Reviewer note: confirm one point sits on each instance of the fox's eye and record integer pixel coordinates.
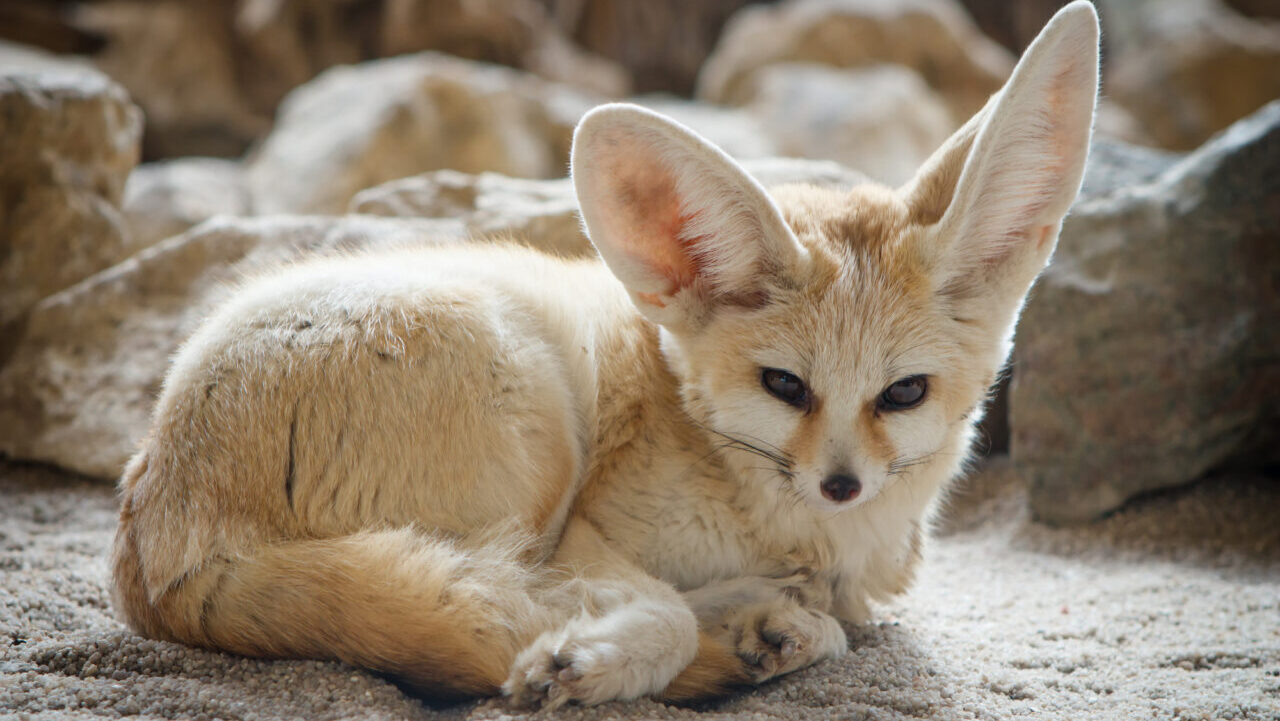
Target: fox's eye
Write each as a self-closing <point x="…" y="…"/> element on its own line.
<point x="904" y="394"/>
<point x="785" y="386"/>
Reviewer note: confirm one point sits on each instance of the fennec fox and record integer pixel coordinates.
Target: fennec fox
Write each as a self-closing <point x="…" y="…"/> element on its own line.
<point x="483" y="470"/>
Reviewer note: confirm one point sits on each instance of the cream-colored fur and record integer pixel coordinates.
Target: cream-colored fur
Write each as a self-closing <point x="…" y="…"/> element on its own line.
<point x="484" y="470"/>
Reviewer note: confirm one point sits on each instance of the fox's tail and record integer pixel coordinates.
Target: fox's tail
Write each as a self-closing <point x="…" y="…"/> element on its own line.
<point x="445" y="620"/>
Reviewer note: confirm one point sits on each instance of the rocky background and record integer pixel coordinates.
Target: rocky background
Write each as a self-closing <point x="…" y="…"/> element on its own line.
<point x="152" y="152"/>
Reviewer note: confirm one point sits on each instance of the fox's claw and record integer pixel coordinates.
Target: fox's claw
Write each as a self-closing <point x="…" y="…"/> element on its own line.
<point x="542" y="676"/>
<point x="778" y="638"/>
<point x="572" y="665"/>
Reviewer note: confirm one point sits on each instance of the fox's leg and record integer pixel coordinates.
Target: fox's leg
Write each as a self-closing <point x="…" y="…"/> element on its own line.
<point x="754" y="629"/>
<point x="632" y="634"/>
<point x="446" y="620"/>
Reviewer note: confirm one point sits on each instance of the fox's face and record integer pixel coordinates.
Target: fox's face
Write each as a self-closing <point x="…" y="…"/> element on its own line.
<point x="851" y="375"/>
<point x="839" y="342"/>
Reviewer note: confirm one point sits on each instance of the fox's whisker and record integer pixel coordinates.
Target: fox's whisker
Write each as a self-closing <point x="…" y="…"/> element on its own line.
<point x="773" y="453"/>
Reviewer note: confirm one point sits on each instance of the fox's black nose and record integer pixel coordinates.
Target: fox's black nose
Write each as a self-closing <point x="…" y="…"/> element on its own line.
<point x="841" y="487"/>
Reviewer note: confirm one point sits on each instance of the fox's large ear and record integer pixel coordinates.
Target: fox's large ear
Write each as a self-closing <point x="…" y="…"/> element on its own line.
<point x="684" y="228"/>
<point x="996" y="192"/>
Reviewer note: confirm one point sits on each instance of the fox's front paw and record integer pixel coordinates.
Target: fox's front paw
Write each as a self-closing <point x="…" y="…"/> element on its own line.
<point x="554" y="670"/>
<point x="780" y="637"/>
<point x="589" y="661"/>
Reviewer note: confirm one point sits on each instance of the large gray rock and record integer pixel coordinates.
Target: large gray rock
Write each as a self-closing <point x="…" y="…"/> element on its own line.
<point x="85" y="372"/>
<point x="68" y="138"/>
<point x="1150" y="350"/>
<point x="935" y="38"/>
<point x="357" y="126"/>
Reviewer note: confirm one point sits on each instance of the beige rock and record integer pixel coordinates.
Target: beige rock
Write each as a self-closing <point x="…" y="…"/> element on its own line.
<point x="733" y="130"/>
<point x="518" y="33"/>
<point x="292" y="41"/>
<point x="933" y="37"/>
<point x="18" y="58"/>
<point x="68" y="138"/>
<point x="1012" y="24"/>
<point x="1186" y="69"/>
<point x="662" y="43"/>
<point x="543" y="213"/>
<point x="1112" y="121"/>
<point x="355" y="127"/>
<point x="783" y="171"/>
<point x="165" y="198"/>
<point x="178" y="62"/>
<point x="210" y="75"/>
<point x="78" y="389"/>
<point x="882" y="119"/>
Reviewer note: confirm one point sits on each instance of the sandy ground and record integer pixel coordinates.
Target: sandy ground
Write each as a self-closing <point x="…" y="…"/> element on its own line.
<point x="1167" y="610"/>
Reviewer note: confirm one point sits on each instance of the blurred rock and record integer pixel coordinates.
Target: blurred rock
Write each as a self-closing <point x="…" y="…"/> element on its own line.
<point x="518" y="33"/>
<point x="1149" y="352"/>
<point x="44" y="24"/>
<point x="882" y="120"/>
<point x="1189" y="68"/>
<point x="662" y="43"/>
<point x="733" y="130"/>
<point x="288" y="42"/>
<point x="165" y="198"/>
<point x="18" y="58"/>
<point x="68" y="139"/>
<point x="543" y="213"/>
<point x="282" y="44"/>
<point x="355" y="127"/>
<point x="935" y="38"/>
<point x="1012" y="24"/>
<point x="210" y="74"/>
<point x="1256" y="8"/>
<point x="783" y="171"/>
<point x="178" y="61"/>
<point x="1112" y="121"/>
<point x="80" y="385"/>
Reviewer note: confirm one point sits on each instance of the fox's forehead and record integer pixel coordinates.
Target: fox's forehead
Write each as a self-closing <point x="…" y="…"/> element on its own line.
<point x="865" y="290"/>
<point x="861" y="246"/>
<point x="868" y="219"/>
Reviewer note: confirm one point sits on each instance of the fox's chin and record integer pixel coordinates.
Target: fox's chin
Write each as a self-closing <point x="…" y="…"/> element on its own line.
<point x="826" y="508"/>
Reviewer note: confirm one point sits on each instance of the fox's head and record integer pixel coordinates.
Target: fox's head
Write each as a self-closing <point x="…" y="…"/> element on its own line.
<point x="849" y="337"/>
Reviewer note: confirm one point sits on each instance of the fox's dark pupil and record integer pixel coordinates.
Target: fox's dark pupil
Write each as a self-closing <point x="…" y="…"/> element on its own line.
<point x="905" y="393"/>
<point x="784" y="386"/>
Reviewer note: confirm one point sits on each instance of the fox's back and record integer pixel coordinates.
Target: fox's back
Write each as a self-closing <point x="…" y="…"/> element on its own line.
<point x="451" y="389"/>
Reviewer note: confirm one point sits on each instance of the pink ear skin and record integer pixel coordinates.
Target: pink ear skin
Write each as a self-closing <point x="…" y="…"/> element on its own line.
<point x="682" y="225"/>
<point x="1024" y="165"/>
<point x="654" y="221"/>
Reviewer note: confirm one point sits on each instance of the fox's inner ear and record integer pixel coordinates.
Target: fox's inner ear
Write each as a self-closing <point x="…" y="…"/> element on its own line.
<point x="683" y="227"/>
<point x="997" y="191"/>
